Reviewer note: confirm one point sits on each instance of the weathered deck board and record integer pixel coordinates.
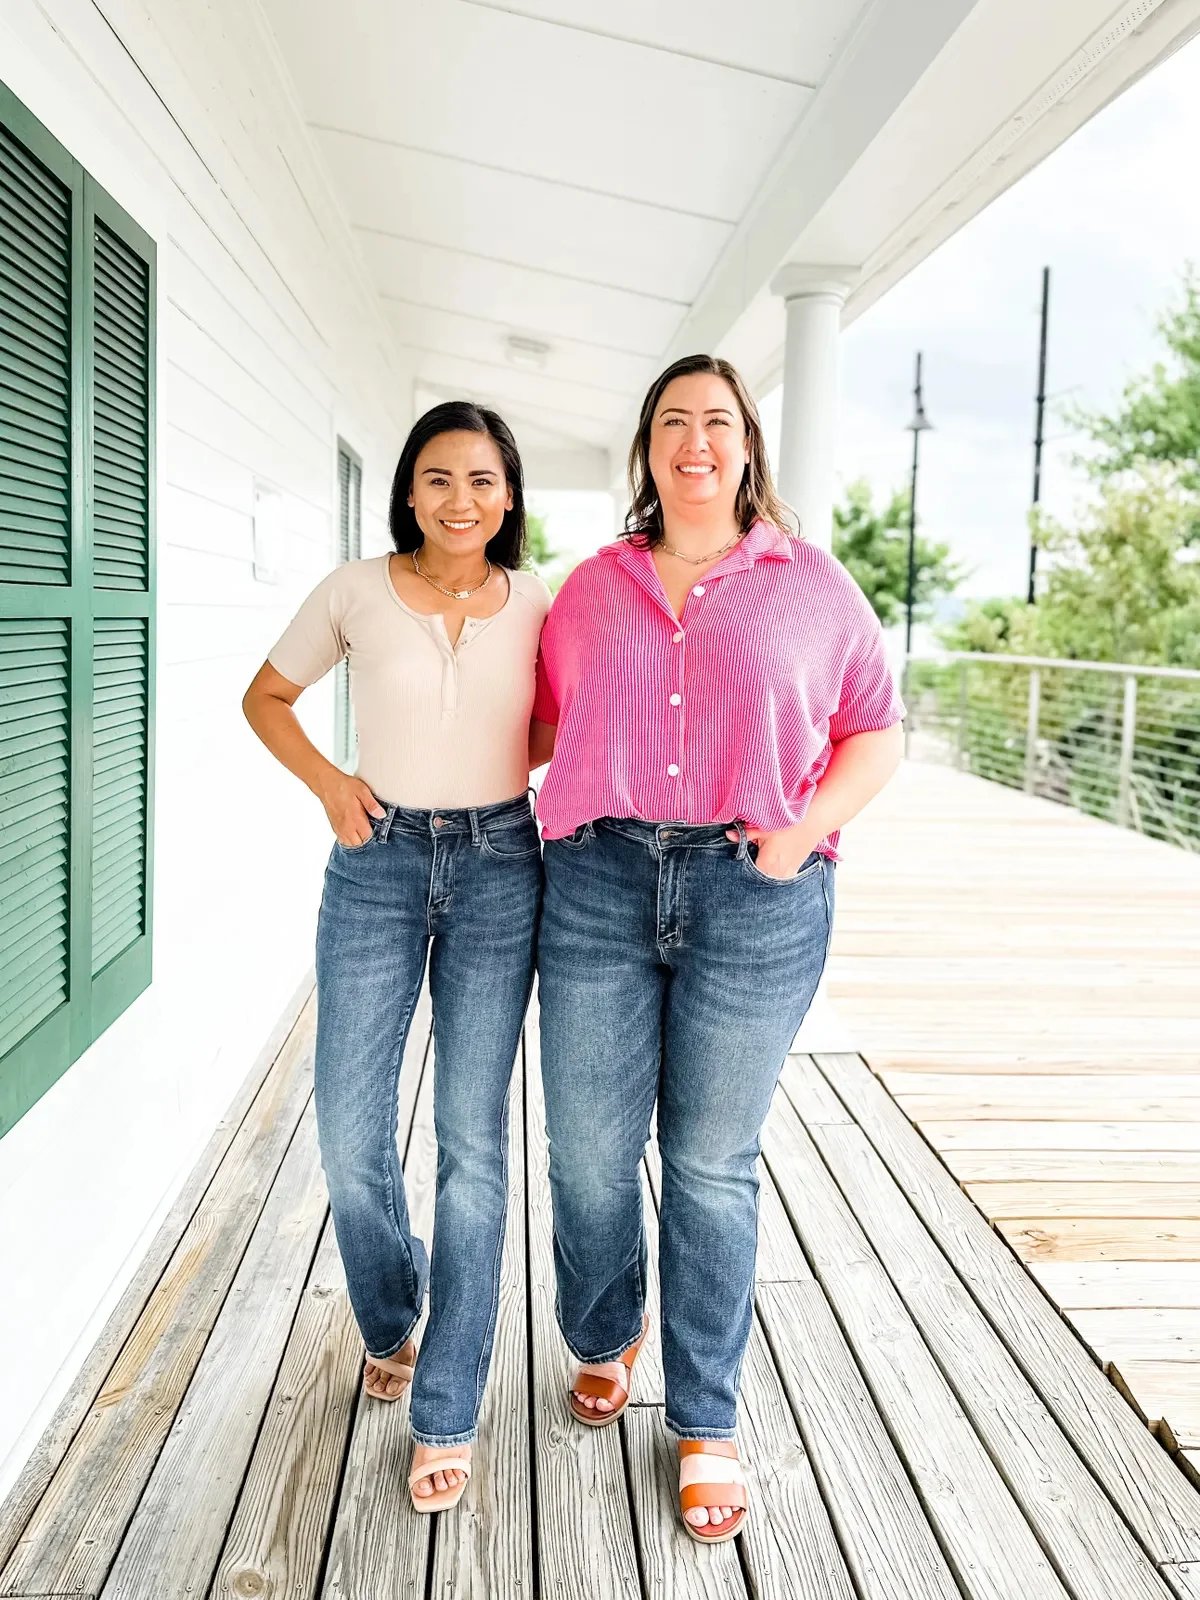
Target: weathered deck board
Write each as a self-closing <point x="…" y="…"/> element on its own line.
<point x="1022" y="978"/>
<point x="1159" y="1505"/>
<point x="889" y="1450"/>
<point x="1082" y="1285"/>
<point x="289" y="1042"/>
<point x="982" y="1528"/>
<point x="73" y="1534"/>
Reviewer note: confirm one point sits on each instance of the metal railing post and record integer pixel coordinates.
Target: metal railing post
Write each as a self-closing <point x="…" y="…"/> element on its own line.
<point x="1128" y="733"/>
<point x="1031" y="729"/>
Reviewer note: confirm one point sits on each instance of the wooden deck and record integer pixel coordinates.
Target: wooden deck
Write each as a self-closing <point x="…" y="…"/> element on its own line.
<point x="918" y="1421"/>
<point x="1026" y="982"/>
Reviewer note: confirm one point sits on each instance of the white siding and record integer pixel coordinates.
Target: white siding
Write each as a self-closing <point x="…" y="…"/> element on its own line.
<point x="270" y="345"/>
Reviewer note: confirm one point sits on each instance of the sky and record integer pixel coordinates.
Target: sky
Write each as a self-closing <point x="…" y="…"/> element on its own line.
<point x="1115" y="214"/>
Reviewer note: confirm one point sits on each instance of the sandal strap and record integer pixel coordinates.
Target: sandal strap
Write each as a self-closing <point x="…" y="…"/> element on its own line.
<point x="702" y="1467"/>
<point x="694" y="1495"/>
<point x="600" y="1388"/>
<point x="450" y="1464"/>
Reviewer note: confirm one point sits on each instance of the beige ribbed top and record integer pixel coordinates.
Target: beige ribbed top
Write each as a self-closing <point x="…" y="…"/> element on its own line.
<point x="438" y="725"/>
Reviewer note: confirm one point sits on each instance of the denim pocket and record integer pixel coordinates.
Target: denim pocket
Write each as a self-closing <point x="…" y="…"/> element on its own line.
<point x="807" y="870"/>
<point x="511" y="844"/>
<point x="584" y="834"/>
<point x="353" y="849"/>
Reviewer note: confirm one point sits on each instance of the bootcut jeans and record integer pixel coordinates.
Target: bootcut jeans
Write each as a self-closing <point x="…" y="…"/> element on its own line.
<point x="462" y="887"/>
<point x="671" y="970"/>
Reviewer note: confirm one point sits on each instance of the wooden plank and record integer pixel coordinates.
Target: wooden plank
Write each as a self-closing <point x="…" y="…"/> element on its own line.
<point x="72" y="1535"/>
<point x="291" y="1038"/>
<point x="1076" y="1523"/>
<point x="1120" y="1137"/>
<point x="948" y="1097"/>
<point x="379" y="1544"/>
<point x="1164" y="1389"/>
<point x="174" y="1540"/>
<point x="277" y="1537"/>
<point x="673" y="1565"/>
<point x="1145" y="1333"/>
<point x="1160" y="1508"/>
<point x="789" y="1546"/>
<point x="970" y="1060"/>
<point x="888" y="1544"/>
<point x="1101" y="1239"/>
<point x="584" y="1533"/>
<point x="1183" y="1578"/>
<point x="810" y="1093"/>
<point x="487" y="1549"/>
<point x="1099" y="1197"/>
<point x="1099" y="1285"/>
<point x="1070" y="1166"/>
<point x="276" y="1541"/>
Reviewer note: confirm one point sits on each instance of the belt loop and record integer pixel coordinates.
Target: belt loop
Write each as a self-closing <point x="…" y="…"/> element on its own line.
<point x="476" y="831"/>
<point x="387" y="824"/>
<point x="743" y="839"/>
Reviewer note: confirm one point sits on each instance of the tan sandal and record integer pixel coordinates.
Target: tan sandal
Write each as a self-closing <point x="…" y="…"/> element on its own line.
<point x="394" y="1369"/>
<point x="707" y="1478"/>
<point x="608" y="1389"/>
<point x="440" y="1499"/>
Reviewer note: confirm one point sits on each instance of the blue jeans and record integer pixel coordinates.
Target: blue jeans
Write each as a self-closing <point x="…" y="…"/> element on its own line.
<point x="470" y="881"/>
<point x="672" y="970"/>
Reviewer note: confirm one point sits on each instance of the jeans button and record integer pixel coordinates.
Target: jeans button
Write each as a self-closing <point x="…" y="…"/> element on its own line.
<point x="439" y="822"/>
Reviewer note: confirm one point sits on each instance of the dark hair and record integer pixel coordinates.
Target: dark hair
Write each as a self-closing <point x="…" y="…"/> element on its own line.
<point x="506" y="548"/>
<point x="757" y="496"/>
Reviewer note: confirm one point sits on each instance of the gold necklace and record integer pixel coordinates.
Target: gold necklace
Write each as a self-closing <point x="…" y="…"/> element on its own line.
<point x="698" y="561"/>
<point x="454" y="594"/>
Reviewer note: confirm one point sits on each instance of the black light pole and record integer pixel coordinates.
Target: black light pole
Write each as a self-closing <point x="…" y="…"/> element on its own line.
<point x="917" y="427"/>
<point x="1038" y="433"/>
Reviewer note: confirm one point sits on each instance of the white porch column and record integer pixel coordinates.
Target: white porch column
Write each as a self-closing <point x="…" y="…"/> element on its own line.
<point x="814" y="297"/>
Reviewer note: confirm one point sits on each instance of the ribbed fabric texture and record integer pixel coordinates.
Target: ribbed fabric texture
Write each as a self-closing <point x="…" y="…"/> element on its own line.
<point x="727" y="713"/>
<point x="437" y="726"/>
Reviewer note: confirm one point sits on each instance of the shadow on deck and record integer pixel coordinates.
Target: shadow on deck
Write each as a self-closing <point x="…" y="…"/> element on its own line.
<point x="918" y="1421"/>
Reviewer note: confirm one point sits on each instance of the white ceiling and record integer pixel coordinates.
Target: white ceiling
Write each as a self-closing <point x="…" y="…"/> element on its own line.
<point x="619" y="182"/>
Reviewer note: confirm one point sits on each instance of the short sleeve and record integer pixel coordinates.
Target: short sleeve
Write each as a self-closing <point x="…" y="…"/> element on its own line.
<point x="545" y="706"/>
<point x="313" y="641"/>
<point x="870" y="701"/>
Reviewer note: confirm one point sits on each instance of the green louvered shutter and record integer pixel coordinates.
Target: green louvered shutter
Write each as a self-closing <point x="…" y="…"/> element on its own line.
<point x="39" y="606"/>
<point x="349" y="548"/>
<point x="121" y="471"/>
<point x="76" y="609"/>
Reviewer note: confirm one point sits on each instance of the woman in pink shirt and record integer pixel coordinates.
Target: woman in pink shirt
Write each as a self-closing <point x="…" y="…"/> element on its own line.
<point x="723" y="706"/>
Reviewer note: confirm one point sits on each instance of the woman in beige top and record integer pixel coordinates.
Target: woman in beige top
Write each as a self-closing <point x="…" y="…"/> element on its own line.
<point x="436" y="855"/>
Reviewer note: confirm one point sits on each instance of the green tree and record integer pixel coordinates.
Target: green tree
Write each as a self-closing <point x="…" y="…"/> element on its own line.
<point x="873" y="545"/>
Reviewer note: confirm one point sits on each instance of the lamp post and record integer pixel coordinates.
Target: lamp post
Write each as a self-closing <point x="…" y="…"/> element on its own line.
<point x="920" y="422"/>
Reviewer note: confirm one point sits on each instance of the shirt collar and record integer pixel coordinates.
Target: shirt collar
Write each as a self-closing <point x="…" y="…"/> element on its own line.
<point x="763" y="541"/>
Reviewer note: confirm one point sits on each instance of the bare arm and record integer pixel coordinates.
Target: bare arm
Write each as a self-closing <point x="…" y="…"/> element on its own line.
<point x="348" y="801"/>
<point x="858" y="769"/>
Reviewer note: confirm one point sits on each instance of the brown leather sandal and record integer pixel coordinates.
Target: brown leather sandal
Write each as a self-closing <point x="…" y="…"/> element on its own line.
<point x="606" y="1388"/>
<point x="706" y="1479"/>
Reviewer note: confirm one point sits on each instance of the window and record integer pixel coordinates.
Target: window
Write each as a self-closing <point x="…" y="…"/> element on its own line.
<point x="77" y="295"/>
<point x="345" y="742"/>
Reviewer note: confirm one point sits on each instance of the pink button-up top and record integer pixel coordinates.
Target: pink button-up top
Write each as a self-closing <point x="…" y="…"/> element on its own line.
<point x="727" y="713"/>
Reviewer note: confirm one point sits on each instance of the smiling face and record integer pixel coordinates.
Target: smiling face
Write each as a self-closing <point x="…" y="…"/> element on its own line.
<point x="459" y="494"/>
<point x="698" y="446"/>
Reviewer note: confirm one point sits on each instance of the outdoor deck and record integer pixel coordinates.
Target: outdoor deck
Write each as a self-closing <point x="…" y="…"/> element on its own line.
<point x="918" y="1421"/>
<point x="1026" y="982"/>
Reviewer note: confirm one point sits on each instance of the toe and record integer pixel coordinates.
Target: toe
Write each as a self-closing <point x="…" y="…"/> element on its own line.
<point x="423" y="1487"/>
<point x="439" y="1481"/>
<point x="603" y="1405"/>
<point x="698" y="1518"/>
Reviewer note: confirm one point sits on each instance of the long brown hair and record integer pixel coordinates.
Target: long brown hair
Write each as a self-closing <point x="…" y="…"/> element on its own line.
<point x="756" y="497"/>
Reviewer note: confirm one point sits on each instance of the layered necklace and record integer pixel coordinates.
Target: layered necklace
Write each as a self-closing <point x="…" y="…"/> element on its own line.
<point x="698" y="561"/>
<point x="453" y="594"/>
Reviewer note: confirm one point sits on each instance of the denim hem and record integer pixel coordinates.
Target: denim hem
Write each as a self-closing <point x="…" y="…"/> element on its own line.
<point x="699" y="1433"/>
<point x="610" y="1355"/>
<point x="386" y="1355"/>
<point x="442" y="1441"/>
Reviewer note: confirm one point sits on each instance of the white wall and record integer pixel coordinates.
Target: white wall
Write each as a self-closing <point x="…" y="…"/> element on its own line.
<point x="270" y="345"/>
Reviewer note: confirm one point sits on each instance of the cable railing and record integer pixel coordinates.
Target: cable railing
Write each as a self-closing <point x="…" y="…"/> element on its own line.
<point x="1116" y="741"/>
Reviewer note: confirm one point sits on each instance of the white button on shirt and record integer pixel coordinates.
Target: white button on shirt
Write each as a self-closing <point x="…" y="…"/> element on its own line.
<point x="677" y="638"/>
<point x="676" y="699"/>
<point x="672" y="771"/>
<point x="699" y="589"/>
